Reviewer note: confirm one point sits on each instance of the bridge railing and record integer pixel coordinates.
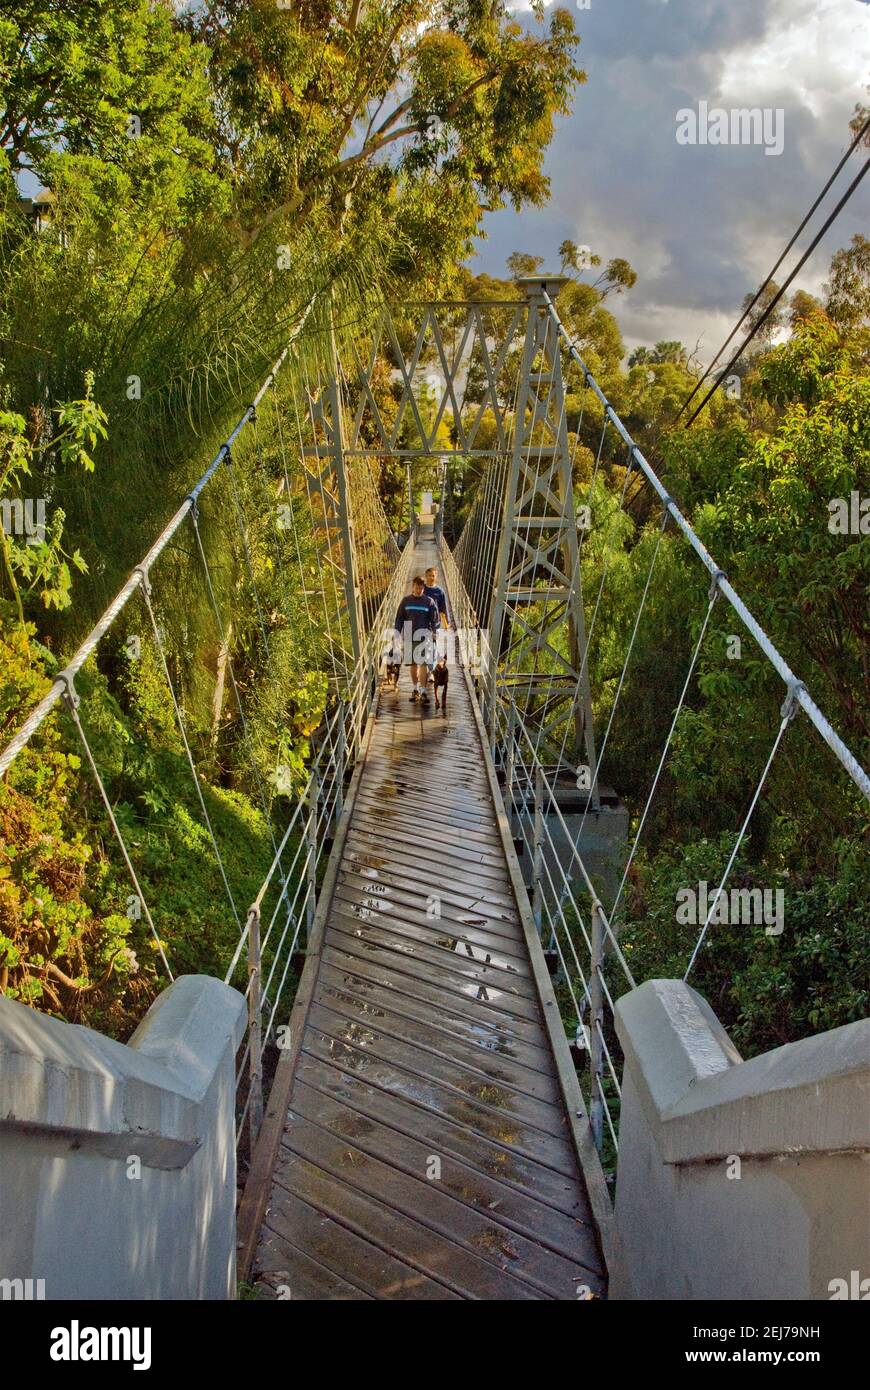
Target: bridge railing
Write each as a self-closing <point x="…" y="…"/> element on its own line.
<point x="307" y="842"/>
<point x="580" y="937"/>
<point x="273" y="929"/>
<point x="584" y="937"/>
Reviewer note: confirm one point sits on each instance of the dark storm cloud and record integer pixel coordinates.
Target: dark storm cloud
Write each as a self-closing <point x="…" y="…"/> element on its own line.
<point x="701" y="224"/>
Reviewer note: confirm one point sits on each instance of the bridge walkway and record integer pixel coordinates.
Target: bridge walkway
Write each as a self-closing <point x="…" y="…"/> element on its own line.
<point x="417" y="1143"/>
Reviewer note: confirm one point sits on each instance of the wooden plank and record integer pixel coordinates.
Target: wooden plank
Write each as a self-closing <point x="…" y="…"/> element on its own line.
<point x="484" y="877"/>
<point x="468" y="1053"/>
<point x="507" y="1125"/>
<point x="444" y="837"/>
<point x="547" y="1185"/>
<point x="469" y="961"/>
<point x="575" y="1106"/>
<point x="444" y="1019"/>
<point x="485" y="1086"/>
<point x="463" y="910"/>
<point x="417" y="925"/>
<point x="287" y="1268"/>
<point x="460" y="857"/>
<point x="454" y="810"/>
<point x="498" y="1202"/>
<point x="419" y="1038"/>
<point x="255" y="1196"/>
<point x="339" y="1252"/>
<point x="437" y="1000"/>
<point x="449" y="1222"/>
<point x="375" y="867"/>
<point x="465" y="982"/>
<point x="423" y="1249"/>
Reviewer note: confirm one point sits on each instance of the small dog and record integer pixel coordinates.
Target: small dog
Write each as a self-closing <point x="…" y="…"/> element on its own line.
<point x="441" y="679"/>
<point x="391" y="674"/>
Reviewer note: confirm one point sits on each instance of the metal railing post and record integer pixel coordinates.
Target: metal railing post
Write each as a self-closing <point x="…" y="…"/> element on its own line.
<point x="596" y="1024"/>
<point x="510" y="765"/>
<point x="488" y="692"/>
<point x="255" y="1026"/>
<point x="311" y="871"/>
<point x="538" y="850"/>
<point x="341" y="764"/>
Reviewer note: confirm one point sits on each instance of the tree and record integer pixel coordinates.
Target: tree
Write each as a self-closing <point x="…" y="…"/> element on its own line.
<point x="859" y="120"/>
<point x="802" y="306"/>
<point x="665" y="351"/>
<point x="618" y="276"/>
<point x="771" y="324"/>
<point x="576" y="258"/>
<point x="113" y="80"/>
<point x="520" y="264"/>
<point x="405" y="106"/>
<point x="847" y="291"/>
<point x="39" y="562"/>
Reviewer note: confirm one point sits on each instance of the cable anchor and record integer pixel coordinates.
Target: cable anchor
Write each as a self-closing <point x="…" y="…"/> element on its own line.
<point x="70" y="695"/>
<point x="144" y="579"/>
<point x="790" y="703"/>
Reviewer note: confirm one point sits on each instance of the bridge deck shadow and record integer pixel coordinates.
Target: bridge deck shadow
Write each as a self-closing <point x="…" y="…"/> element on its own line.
<point x="425" y="1152"/>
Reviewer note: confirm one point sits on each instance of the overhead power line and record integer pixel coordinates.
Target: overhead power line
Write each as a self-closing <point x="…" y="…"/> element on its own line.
<point x="751" y="305"/>
<point x="778" y="296"/>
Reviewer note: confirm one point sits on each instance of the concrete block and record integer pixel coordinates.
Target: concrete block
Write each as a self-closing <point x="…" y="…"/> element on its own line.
<point x="118" y="1161"/>
<point x="738" y="1179"/>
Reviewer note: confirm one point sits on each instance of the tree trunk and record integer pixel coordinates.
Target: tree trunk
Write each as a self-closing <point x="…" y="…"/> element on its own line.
<point x="220" y="682"/>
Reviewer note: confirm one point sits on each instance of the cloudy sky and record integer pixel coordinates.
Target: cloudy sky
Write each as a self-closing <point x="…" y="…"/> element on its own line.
<point x="701" y="224"/>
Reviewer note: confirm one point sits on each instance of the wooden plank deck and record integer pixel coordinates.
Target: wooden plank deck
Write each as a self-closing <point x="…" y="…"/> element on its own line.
<point x="425" y="1151"/>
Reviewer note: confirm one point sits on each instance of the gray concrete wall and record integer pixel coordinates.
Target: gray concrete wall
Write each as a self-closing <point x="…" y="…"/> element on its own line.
<point x="117" y="1163"/>
<point x="739" y="1179"/>
<point x="602" y="847"/>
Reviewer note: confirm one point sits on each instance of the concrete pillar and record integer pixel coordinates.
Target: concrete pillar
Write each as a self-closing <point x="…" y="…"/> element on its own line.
<point x="118" y="1162"/>
<point x="739" y="1179"/>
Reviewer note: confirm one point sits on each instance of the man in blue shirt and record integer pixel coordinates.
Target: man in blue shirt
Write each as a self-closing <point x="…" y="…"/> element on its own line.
<point x="437" y="594"/>
<point x="419" y="613"/>
<point x="434" y="591"/>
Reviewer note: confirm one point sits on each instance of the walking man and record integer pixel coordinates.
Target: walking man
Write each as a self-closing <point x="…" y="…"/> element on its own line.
<point x="417" y="622"/>
<point x="434" y="591"/>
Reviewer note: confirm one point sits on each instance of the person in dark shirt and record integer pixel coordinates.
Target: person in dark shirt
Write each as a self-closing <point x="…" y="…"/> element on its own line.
<point x="434" y="591"/>
<point x="437" y="594"/>
<point x="419" y="611"/>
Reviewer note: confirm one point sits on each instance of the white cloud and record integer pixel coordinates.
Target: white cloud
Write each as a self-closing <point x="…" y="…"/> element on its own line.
<point x="700" y="225"/>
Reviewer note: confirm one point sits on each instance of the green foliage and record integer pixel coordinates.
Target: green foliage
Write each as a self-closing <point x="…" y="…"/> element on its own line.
<point x="760" y="498"/>
<point x="40" y="562"/>
<point x="766" y="989"/>
<point x="67" y="943"/>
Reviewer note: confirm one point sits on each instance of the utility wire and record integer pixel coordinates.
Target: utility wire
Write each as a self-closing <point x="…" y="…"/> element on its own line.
<point x="751" y="305"/>
<point x="778" y="296"/>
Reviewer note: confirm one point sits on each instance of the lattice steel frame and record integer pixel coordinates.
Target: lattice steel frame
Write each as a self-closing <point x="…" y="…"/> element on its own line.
<point x="328" y="480"/>
<point x="539" y="533"/>
<point x="539" y="499"/>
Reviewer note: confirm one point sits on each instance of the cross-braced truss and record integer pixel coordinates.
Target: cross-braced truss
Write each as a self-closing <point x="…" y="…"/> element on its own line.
<point x="538" y="625"/>
<point x="483" y="381"/>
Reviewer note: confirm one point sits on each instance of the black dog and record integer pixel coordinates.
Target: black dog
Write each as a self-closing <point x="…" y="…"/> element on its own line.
<point x="441" y="679"/>
<point x="391" y="674"/>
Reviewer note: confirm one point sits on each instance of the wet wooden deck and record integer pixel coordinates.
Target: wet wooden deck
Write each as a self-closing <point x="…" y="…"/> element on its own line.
<point x="418" y="1144"/>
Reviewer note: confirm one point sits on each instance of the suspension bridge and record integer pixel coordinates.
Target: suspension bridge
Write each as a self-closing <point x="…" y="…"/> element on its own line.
<point x="467" y="1057"/>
